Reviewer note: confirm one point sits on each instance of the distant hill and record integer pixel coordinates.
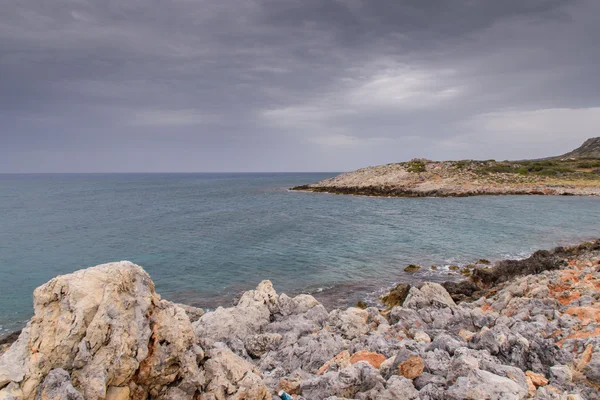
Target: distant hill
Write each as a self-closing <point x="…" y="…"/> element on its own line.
<point x="574" y="173"/>
<point x="590" y="149"/>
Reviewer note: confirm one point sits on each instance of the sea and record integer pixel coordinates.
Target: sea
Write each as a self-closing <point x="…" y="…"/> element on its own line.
<point x="207" y="238"/>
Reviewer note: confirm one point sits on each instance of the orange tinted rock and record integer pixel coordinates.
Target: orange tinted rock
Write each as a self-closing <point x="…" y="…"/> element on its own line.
<point x="342" y="360"/>
<point x="567" y="297"/>
<point x="531" y="389"/>
<point x="411" y="368"/>
<point x="375" y="359"/>
<point x="580" y="335"/>
<point x="585" y="358"/>
<point x="585" y="314"/>
<point x="537" y="379"/>
<point x="465" y="334"/>
<point x="290" y="386"/>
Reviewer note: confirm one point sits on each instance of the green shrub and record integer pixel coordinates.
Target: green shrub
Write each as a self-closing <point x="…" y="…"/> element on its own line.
<point x="461" y="164"/>
<point x="500" y="168"/>
<point x="416" y="166"/>
<point x="522" y="170"/>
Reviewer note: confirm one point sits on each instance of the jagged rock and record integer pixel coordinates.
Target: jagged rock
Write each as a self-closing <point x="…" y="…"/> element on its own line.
<point x="111" y="333"/>
<point x="308" y="353"/>
<point x="350" y="323"/>
<point x="437" y="362"/>
<point x="58" y="386"/>
<point x="446" y="343"/>
<point x="465" y="334"/>
<point x="375" y="359"/>
<point x="412" y="268"/>
<point x="483" y="385"/>
<point x="295" y="325"/>
<point x="231" y="377"/>
<point x="427" y="379"/>
<point x="592" y="369"/>
<point x="104" y="325"/>
<point x="428" y="295"/>
<point x="120" y="393"/>
<point x="11" y="392"/>
<point x="411" y="368"/>
<point x="360" y="377"/>
<point x="290" y="386"/>
<point x="421" y="337"/>
<point x="257" y="345"/>
<point x="398" y="387"/>
<point x="462" y="364"/>
<point x="338" y="362"/>
<point x="193" y="313"/>
<point x="252" y="312"/>
<point x="13" y="362"/>
<point x="405" y="318"/>
<point x="561" y="373"/>
<point x="537" y="379"/>
<point x="396" y="296"/>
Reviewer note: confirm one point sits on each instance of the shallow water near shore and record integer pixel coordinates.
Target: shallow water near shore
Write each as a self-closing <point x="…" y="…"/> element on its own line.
<point x="204" y="238"/>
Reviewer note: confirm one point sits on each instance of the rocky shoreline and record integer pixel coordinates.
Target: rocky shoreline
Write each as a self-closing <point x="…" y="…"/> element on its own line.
<point x="426" y="178"/>
<point x="386" y="191"/>
<point x="522" y="329"/>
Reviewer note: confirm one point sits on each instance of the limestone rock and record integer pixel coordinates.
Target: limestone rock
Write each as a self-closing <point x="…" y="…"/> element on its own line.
<point x="118" y="393"/>
<point x="357" y="378"/>
<point x="350" y="323"/>
<point x="398" y="387"/>
<point x="483" y="385"/>
<point x="537" y="379"/>
<point x="104" y="325"/>
<point x="252" y="312"/>
<point x="13" y="362"/>
<point x="561" y="374"/>
<point x="592" y="369"/>
<point x="193" y="313"/>
<point x="411" y="368"/>
<point x="58" y="386"/>
<point x="375" y="359"/>
<point x="12" y="391"/>
<point x="231" y="377"/>
<point x="428" y="295"/>
<point x="421" y="337"/>
<point x="338" y="362"/>
<point x="257" y="345"/>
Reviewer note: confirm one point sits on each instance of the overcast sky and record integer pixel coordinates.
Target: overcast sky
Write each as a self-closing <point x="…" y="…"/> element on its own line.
<point x="292" y="85"/>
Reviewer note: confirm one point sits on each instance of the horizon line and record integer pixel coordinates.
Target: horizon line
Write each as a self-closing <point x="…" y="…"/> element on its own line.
<point x="168" y="172"/>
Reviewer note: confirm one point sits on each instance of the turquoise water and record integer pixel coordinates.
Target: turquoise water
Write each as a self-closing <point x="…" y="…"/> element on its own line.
<point x="204" y="238"/>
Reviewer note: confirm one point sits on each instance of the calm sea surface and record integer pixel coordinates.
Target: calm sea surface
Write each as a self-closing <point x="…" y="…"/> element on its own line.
<point x="204" y="238"/>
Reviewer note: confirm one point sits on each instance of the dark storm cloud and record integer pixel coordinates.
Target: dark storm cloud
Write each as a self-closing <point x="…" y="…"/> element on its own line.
<point x="189" y="85"/>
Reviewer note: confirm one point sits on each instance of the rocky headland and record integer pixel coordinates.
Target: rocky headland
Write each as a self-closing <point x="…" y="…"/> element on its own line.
<point x="518" y="330"/>
<point x="576" y="173"/>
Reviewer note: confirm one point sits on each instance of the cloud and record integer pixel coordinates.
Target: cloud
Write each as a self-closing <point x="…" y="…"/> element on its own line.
<point x="283" y="85"/>
<point x="560" y="129"/>
<point x="404" y="88"/>
<point x="169" y="118"/>
<point x="336" y="140"/>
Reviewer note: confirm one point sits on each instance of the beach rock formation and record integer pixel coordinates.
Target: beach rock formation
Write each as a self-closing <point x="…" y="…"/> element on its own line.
<point x="103" y="333"/>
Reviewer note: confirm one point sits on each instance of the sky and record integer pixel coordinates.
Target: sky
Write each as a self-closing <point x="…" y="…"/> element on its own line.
<point x="294" y="85"/>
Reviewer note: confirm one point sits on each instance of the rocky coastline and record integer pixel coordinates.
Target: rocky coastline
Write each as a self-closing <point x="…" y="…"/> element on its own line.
<point x="527" y="329"/>
<point x="426" y="178"/>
